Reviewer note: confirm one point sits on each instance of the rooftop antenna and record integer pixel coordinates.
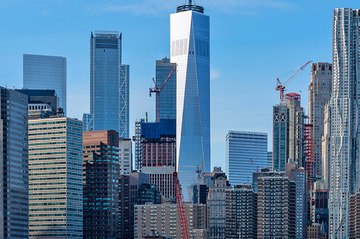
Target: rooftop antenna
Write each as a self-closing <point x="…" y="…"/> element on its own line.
<point x="190" y="2"/>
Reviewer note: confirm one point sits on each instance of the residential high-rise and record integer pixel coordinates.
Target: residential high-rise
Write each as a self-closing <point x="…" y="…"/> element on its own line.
<point x="46" y="73"/>
<point x="14" y="208"/>
<point x="168" y="93"/>
<point x="101" y="175"/>
<point x="137" y="144"/>
<point x="55" y="178"/>
<point x="246" y="153"/>
<point x="344" y="120"/>
<point x="109" y="83"/>
<point x="280" y="136"/>
<point x="241" y="213"/>
<point x="276" y="206"/>
<point x="354" y="216"/>
<point x="319" y="95"/>
<point x="158" y="155"/>
<point x="125" y="156"/>
<point x="190" y="50"/>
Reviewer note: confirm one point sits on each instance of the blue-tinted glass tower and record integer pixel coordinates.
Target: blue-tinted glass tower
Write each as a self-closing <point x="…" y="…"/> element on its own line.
<point x="109" y="83"/>
<point x="189" y="47"/>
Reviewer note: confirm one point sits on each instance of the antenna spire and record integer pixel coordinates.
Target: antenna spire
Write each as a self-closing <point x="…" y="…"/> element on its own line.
<point x="190" y="2"/>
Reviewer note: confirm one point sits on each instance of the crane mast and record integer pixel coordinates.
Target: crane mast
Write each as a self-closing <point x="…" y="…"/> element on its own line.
<point x="181" y="208"/>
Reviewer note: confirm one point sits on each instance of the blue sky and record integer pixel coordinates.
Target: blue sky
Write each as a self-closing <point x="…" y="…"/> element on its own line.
<point x="252" y="43"/>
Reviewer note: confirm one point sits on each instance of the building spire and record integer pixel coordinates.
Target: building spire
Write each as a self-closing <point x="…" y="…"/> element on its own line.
<point x="190" y="7"/>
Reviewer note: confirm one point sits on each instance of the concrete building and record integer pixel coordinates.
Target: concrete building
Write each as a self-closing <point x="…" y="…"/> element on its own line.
<point x="164" y="218"/>
<point x="216" y="203"/>
<point x="276" y="206"/>
<point x="125" y="156"/>
<point x="246" y="153"/>
<point x="167" y="101"/>
<point x="354" y="216"/>
<point x="158" y="142"/>
<point x="109" y="83"/>
<point x="46" y="73"/>
<point x="14" y="208"/>
<point x="325" y="148"/>
<point x="241" y="213"/>
<point x="55" y="178"/>
<point x="148" y="193"/>
<point x="101" y="174"/>
<point x="190" y="50"/>
<point x="318" y="97"/>
<point x="344" y="120"/>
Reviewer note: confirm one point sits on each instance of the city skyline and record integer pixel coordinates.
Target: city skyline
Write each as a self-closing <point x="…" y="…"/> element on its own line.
<point x="236" y="53"/>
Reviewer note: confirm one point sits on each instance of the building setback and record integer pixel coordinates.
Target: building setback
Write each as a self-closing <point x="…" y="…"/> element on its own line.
<point x="109" y="83"/>
<point x="190" y="50"/>
<point x="101" y="174"/>
<point x="344" y="120"/>
<point x="46" y="73"/>
<point x="14" y="208"/>
<point x="55" y="178"/>
<point x="276" y="206"/>
<point x="246" y="153"/>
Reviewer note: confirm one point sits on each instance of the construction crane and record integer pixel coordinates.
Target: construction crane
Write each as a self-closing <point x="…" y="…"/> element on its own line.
<point x="157" y="90"/>
<point x="181" y="208"/>
<point x="281" y="87"/>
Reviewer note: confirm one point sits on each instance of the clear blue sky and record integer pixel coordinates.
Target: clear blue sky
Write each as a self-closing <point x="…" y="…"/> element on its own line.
<point x="252" y="42"/>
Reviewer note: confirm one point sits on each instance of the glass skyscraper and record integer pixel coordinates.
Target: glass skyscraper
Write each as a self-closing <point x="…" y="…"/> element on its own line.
<point x="14" y="209"/>
<point x="246" y="153"/>
<point x="189" y="47"/>
<point x="344" y="119"/>
<point x="168" y="93"/>
<point x="109" y="83"/>
<point x="46" y="73"/>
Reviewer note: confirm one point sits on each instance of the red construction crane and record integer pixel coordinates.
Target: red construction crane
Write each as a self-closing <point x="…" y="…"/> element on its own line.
<point x="181" y="208"/>
<point x="281" y="87"/>
<point x="157" y="89"/>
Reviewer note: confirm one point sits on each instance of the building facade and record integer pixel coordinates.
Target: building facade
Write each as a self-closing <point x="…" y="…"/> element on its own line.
<point x="190" y="50"/>
<point x="14" y="202"/>
<point x="246" y="153"/>
<point x="88" y="122"/>
<point x="344" y="120"/>
<point x="109" y="83"/>
<point x="55" y="178"/>
<point x="101" y="175"/>
<point x="168" y="94"/>
<point x="46" y="73"/>
<point x="354" y="216"/>
<point x="276" y="206"/>
<point x="280" y="136"/>
<point x="318" y="97"/>
<point x="125" y="156"/>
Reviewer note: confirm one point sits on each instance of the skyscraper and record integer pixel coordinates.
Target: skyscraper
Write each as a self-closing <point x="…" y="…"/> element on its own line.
<point x="246" y="153"/>
<point x="280" y="136"/>
<point x="189" y="47"/>
<point x="319" y="95"/>
<point x="344" y="119"/>
<point x="109" y="83"/>
<point x="168" y="93"/>
<point x="55" y="178"/>
<point x="46" y="73"/>
<point x="14" y="209"/>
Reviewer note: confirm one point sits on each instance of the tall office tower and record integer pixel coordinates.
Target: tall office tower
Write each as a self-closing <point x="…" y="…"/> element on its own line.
<point x="280" y="136"/>
<point x="320" y="211"/>
<point x="88" y="122"/>
<point x="276" y="203"/>
<point x="46" y="73"/>
<point x="189" y="47"/>
<point x="14" y="201"/>
<point x="109" y="83"/>
<point x="296" y="128"/>
<point x="41" y="102"/>
<point x="216" y="202"/>
<point x="101" y="175"/>
<point x="137" y="139"/>
<point x="55" y="178"/>
<point x="167" y="221"/>
<point x="125" y="156"/>
<point x="148" y="193"/>
<point x="319" y="95"/>
<point x="158" y="155"/>
<point x="241" y="213"/>
<point x="298" y="174"/>
<point x="167" y="101"/>
<point x="246" y="153"/>
<point x="129" y="187"/>
<point x="354" y="216"/>
<point x="344" y="120"/>
<point x="269" y="160"/>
